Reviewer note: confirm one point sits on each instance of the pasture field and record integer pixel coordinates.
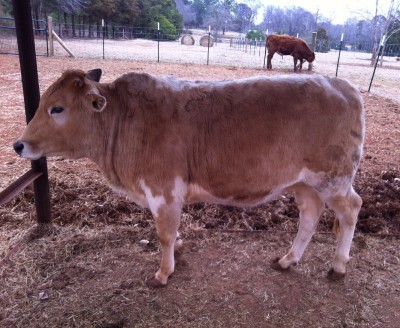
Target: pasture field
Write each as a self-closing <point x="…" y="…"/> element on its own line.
<point x="88" y="268"/>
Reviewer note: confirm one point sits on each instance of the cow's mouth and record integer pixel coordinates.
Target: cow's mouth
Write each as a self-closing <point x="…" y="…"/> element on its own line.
<point x="25" y="150"/>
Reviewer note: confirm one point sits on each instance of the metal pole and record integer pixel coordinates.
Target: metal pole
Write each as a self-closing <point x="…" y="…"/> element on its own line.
<point x="102" y="27"/>
<point x="30" y="86"/>
<point x="340" y="49"/>
<point x="208" y="45"/>
<point x="158" y="42"/>
<point x="376" y="62"/>
<point x="265" y="52"/>
<point x="47" y="37"/>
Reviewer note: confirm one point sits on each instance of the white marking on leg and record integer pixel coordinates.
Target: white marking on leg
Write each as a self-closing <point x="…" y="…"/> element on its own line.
<point x="311" y="208"/>
<point x="154" y="202"/>
<point x="167" y="218"/>
<point x="180" y="190"/>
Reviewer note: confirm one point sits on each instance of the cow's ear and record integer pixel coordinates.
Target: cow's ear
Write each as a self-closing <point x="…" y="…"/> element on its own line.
<point x="94" y="74"/>
<point x="97" y="101"/>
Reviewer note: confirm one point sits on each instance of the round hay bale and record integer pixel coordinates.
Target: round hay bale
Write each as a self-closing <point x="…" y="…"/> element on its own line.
<point x="204" y="40"/>
<point x="187" y="39"/>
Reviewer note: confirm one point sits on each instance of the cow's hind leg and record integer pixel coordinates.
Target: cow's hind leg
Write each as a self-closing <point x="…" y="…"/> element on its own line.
<point x="167" y="224"/>
<point x="311" y="207"/>
<point x="178" y="246"/>
<point x="346" y="209"/>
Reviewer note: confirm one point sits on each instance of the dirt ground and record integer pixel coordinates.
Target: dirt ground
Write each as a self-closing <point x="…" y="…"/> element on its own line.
<point x="88" y="268"/>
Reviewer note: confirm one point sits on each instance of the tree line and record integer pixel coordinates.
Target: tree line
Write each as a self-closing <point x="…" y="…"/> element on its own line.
<point x="144" y="13"/>
<point x="241" y="16"/>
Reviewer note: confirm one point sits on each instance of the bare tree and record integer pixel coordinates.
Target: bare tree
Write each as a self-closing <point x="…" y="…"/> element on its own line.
<point x="390" y="18"/>
<point x="381" y="23"/>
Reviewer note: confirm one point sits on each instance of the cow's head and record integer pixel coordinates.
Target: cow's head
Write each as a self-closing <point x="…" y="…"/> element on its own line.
<point x="310" y="58"/>
<point x="61" y="125"/>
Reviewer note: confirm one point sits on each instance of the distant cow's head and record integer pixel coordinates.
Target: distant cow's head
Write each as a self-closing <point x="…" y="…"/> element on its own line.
<point x="311" y="57"/>
<point x="62" y="116"/>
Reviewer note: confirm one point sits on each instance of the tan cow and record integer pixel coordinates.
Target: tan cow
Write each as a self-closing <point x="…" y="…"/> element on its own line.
<point x="289" y="45"/>
<point x="166" y="142"/>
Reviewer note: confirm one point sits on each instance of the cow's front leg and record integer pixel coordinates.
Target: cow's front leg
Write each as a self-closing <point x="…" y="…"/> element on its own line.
<point x="295" y="63"/>
<point x="167" y="223"/>
<point x="269" y="60"/>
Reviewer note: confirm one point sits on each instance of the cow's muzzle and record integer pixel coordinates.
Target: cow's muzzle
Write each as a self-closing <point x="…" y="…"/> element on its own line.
<point x="18" y="147"/>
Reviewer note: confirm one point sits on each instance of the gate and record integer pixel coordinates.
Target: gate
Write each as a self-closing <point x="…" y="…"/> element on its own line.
<point x="8" y="36"/>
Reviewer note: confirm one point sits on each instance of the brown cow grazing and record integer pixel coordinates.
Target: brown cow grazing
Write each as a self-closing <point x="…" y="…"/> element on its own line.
<point x="289" y="45"/>
<point x="166" y="142"/>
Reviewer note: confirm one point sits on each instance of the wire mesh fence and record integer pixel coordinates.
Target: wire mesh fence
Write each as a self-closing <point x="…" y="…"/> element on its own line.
<point x="110" y="31"/>
<point x="149" y="44"/>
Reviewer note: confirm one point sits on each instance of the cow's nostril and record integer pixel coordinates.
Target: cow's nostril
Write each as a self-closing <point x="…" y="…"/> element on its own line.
<point x="18" y="147"/>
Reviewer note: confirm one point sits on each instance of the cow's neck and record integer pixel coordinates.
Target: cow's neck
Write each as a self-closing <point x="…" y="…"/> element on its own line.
<point x="117" y="139"/>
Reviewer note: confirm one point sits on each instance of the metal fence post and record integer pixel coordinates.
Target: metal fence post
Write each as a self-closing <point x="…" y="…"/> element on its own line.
<point x="265" y="51"/>
<point x="158" y="42"/>
<point x="30" y="86"/>
<point x="208" y="44"/>
<point x="340" y="49"/>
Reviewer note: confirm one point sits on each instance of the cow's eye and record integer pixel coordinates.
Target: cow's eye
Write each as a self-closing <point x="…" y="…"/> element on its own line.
<point x="56" y="110"/>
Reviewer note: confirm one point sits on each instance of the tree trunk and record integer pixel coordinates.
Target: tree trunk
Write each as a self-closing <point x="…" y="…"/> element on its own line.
<point x="59" y="23"/>
<point x="82" y="26"/>
<point x="73" y="25"/>
<point x="90" y="27"/>
<point x="66" y="24"/>
<point x="376" y="47"/>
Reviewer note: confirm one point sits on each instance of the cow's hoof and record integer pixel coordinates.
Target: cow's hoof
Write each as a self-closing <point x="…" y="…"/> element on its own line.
<point x="276" y="266"/>
<point x="154" y="283"/>
<point x="335" y="276"/>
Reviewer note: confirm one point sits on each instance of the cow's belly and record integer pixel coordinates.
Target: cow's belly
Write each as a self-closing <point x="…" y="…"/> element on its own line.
<point x="137" y="197"/>
<point x="196" y="194"/>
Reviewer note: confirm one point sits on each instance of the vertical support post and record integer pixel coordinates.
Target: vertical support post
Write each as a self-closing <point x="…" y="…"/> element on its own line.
<point x="208" y="44"/>
<point x="376" y="61"/>
<point x="265" y="52"/>
<point x="102" y="30"/>
<point x="50" y="29"/>
<point x="158" y="42"/>
<point x="30" y="86"/>
<point x="314" y="47"/>
<point x="314" y="41"/>
<point x="340" y="49"/>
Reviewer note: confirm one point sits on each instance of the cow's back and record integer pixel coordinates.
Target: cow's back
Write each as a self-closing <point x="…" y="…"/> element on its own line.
<point x="283" y="44"/>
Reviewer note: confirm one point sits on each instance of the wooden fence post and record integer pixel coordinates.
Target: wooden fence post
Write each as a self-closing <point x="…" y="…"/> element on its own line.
<point x="50" y="29"/>
<point x="314" y="47"/>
